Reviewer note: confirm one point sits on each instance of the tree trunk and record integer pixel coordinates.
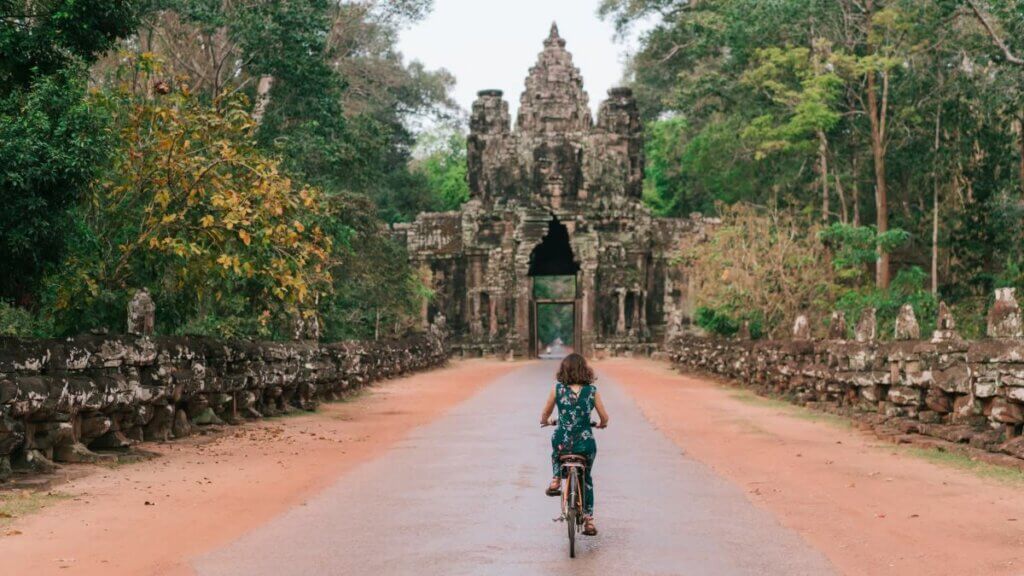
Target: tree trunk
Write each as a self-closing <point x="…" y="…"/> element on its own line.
<point x="855" y="189"/>
<point x="935" y="204"/>
<point x="1020" y="142"/>
<point x="881" y="190"/>
<point x="823" y="162"/>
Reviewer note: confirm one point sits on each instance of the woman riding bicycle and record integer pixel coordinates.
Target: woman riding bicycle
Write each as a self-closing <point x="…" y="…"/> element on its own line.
<point x="576" y="396"/>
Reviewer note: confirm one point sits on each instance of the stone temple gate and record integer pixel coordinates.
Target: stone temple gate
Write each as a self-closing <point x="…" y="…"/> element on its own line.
<point x="559" y="195"/>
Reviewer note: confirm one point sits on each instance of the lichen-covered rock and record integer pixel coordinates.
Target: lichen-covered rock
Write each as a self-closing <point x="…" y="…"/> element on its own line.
<point x="801" y="328"/>
<point x="945" y="325"/>
<point x="955" y="390"/>
<point x="867" y="326"/>
<point x="907" y="327"/>
<point x="1004" y="318"/>
<point x="837" y="326"/>
<point x="141" y="314"/>
<point x="63" y="400"/>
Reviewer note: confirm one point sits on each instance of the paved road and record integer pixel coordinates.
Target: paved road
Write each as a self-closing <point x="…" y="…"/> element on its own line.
<point x="464" y="495"/>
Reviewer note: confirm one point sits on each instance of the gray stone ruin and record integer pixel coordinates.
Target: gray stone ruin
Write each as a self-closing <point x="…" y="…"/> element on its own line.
<point x="907" y="327"/>
<point x="867" y="326"/>
<point x="1004" y="319"/>
<point x="945" y="326"/>
<point x="837" y="326"/>
<point x="744" y="332"/>
<point x="554" y="192"/>
<point x="141" y="314"/>
<point x="802" y="328"/>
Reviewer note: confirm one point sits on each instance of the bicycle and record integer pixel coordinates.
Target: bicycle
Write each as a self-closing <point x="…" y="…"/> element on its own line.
<point x="574" y="470"/>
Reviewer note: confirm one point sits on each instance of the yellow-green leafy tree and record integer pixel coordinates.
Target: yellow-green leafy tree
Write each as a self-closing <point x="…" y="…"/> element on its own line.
<point x="190" y="209"/>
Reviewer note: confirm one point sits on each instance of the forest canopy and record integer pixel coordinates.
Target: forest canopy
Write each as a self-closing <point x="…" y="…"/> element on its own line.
<point x="240" y="160"/>
<point x="889" y="129"/>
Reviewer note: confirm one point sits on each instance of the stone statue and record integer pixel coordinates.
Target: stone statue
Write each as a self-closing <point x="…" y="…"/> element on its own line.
<point x="837" y="327"/>
<point x="907" y="327"/>
<point x="1004" y="318"/>
<point x="867" y="326"/>
<point x="945" y="326"/>
<point x="141" y="314"/>
<point x="802" y="328"/>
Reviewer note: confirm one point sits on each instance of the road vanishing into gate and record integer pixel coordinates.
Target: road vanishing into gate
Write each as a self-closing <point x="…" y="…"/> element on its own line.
<point x="464" y="496"/>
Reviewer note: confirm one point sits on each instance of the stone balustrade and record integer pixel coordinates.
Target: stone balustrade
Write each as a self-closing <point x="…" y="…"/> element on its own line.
<point x="945" y="387"/>
<point x="72" y="400"/>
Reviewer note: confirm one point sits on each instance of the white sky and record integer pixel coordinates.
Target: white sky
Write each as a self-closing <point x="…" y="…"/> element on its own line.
<point x="492" y="44"/>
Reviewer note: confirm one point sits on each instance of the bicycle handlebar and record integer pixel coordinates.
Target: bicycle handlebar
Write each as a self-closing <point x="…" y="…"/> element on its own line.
<point x="592" y="424"/>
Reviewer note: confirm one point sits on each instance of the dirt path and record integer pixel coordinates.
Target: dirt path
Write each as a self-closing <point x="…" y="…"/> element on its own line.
<point x="872" y="509"/>
<point x="203" y="494"/>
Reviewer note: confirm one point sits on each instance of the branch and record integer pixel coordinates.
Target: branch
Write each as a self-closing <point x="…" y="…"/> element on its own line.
<point x="1010" y="57"/>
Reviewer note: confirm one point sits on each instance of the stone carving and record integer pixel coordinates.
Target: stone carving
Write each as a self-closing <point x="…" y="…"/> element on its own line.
<point x="964" y="392"/>
<point x="867" y="326"/>
<point x="837" y="326"/>
<point x="1004" y="318"/>
<point x="560" y="194"/>
<point x="945" y="325"/>
<point x="62" y="400"/>
<point x="744" y="332"/>
<point x="141" y="314"/>
<point x="907" y="327"/>
<point x="802" y="328"/>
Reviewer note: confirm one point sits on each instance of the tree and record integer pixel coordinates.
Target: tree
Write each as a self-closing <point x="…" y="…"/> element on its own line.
<point x="192" y="210"/>
<point x="51" y="140"/>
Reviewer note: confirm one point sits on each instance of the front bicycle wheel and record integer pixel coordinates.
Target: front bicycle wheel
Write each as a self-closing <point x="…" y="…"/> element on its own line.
<point x="572" y="513"/>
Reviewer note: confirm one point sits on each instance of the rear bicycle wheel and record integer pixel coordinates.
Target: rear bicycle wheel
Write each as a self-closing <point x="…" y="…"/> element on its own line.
<point x="572" y="513"/>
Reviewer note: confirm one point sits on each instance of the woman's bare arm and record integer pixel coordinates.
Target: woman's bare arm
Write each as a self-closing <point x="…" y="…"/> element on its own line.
<point x="549" y="407"/>
<point x="601" y="412"/>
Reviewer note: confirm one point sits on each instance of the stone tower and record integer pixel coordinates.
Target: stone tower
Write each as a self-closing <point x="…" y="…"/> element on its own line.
<point x="557" y="196"/>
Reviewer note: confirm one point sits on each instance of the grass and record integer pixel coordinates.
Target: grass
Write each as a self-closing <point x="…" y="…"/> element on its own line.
<point x="16" y="504"/>
<point x="963" y="462"/>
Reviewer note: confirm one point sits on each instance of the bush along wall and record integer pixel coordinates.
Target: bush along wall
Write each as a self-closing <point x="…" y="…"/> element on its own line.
<point x="946" y="387"/>
<point x="74" y="400"/>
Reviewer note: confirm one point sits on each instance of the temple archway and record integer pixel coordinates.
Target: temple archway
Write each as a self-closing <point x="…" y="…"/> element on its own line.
<point x="554" y="295"/>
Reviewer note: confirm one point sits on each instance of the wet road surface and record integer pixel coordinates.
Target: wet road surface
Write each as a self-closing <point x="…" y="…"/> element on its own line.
<point x="464" y="496"/>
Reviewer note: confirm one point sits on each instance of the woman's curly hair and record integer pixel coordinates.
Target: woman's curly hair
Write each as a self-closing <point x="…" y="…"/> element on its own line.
<point x="574" y="370"/>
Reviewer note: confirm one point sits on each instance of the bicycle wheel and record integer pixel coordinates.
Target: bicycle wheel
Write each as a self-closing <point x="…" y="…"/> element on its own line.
<point x="572" y="512"/>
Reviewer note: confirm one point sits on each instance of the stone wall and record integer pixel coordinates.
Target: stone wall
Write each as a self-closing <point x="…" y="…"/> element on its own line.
<point x="66" y="400"/>
<point x="945" y="387"/>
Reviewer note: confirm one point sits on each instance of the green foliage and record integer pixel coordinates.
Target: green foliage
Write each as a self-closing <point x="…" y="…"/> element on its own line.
<point x="796" y="104"/>
<point x="854" y="247"/>
<point x="727" y="322"/>
<point x="52" y="143"/>
<point x="444" y="167"/>
<point x="51" y="140"/>
<point x="375" y="291"/>
<point x="39" y="39"/>
<point x="689" y="172"/>
<point x="908" y="287"/>
<point x="20" y="322"/>
<point x="555" y="322"/>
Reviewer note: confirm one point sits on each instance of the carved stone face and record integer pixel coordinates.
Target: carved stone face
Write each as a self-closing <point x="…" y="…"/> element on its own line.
<point x="555" y="170"/>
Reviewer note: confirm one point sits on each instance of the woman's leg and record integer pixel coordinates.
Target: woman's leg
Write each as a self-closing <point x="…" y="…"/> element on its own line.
<point x="588" y="481"/>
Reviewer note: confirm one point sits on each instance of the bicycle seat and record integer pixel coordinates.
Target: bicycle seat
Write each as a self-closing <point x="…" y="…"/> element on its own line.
<point x="573" y="458"/>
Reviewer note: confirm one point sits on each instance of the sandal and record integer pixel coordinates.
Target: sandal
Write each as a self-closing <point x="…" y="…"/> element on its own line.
<point x="588" y="527"/>
<point x="555" y="488"/>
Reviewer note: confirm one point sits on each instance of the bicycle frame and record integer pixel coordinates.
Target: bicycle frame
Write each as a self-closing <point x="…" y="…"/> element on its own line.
<point x="573" y="469"/>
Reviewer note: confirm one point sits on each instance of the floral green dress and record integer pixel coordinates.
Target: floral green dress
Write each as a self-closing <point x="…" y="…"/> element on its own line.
<point x="573" y="435"/>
